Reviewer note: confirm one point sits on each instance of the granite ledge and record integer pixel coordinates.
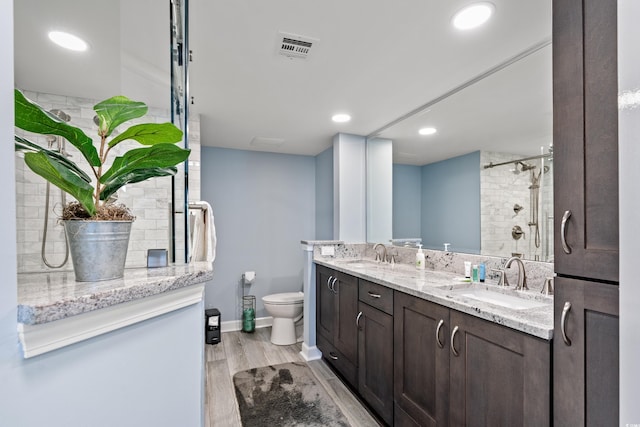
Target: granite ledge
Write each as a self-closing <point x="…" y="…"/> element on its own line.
<point x="50" y="296"/>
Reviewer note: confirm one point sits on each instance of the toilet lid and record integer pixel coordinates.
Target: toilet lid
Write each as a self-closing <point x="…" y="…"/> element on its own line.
<point x="284" y="298"/>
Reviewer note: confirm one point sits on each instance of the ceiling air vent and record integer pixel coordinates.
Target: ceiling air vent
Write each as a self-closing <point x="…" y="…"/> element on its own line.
<point x="294" y="45"/>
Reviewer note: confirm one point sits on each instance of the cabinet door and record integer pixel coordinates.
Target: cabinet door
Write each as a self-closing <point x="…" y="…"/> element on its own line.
<point x="585" y="365"/>
<point x="325" y="305"/>
<point x="421" y="362"/>
<point x="375" y="360"/>
<point x="585" y="137"/>
<point x="499" y="376"/>
<point x="345" y="336"/>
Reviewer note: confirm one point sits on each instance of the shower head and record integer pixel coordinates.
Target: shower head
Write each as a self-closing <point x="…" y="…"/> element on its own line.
<point x="527" y="166"/>
<point x="523" y="167"/>
<point x="60" y="114"/>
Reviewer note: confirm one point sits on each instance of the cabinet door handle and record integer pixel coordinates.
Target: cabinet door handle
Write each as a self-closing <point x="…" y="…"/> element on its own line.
<point x="453" y="347"/>
<point x="372" y="295"/>
<point x="333" y="356"/>
<point x="563" y="324"/>
<point x="440" y="323"/>
<point x="563" y="232"/>
<point x="358" y="320"/>
<point x="329" y="282"/>
<point x="333" y="285"/>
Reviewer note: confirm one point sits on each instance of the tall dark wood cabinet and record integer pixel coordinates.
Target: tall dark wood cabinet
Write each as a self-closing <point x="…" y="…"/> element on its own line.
<point x="585" y="353"/>
<point x="585" y="138"/>
<point x="337" y="308"/>
<point x="585" y="349"/>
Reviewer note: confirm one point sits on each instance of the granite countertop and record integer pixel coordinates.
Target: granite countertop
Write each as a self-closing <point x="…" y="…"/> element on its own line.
<point x="45" y="297"/>
<point x="446" y="288"/>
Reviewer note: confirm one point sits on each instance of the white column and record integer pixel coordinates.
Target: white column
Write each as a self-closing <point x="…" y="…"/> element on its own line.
<point x="309" y="349"/>
<point x="380" y="190"/>
<point x="349" y="188"/>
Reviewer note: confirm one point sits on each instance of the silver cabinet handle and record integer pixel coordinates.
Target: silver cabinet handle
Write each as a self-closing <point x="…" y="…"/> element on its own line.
<point x="440" y="323"/>
<point x="563" y="325"/>
<point x="333" y="285"/>
<point x="333" y="356"/>
<point x="453" y="347"/>
<point x="358" y="320"/>
<point x="328" y="282"/>
<point x="372" y="295"/>
<point x="563" y="232"/>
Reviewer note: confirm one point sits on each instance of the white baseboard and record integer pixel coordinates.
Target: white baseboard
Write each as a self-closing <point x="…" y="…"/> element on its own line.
<point x="236" y="325"/>
<point x="310" y="353"/>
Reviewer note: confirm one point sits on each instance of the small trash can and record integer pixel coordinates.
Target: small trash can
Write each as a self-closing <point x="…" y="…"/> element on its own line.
<point x="212" y="326"/>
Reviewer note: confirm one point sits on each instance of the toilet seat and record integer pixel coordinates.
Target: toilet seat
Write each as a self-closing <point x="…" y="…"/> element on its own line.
<point x="284" y="298"/>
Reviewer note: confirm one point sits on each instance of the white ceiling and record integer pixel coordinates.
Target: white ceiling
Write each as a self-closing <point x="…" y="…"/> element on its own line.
<point x="376" y="60"/>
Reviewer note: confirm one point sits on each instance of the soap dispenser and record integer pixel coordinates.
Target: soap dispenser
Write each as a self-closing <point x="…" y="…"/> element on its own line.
<point x="420" y="258"/>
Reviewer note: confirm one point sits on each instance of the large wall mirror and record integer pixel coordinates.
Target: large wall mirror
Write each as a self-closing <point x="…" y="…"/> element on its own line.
<point x="482" y="182"/>
<point x="129" y="53"/>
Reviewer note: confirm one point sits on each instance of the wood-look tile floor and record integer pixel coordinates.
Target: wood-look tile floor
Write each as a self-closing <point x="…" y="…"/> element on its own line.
<point x="238" y="351"/>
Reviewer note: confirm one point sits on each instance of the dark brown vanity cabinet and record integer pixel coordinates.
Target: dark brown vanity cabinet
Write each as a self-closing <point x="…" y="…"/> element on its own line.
<point x="585" y="137"/>
<point x="421" y="363"/>
<point x="586" y="340"/>
<point x="375" y="348"/>
<point x="336" y="311"/>
<point x="498" y="376"/>
<point x="452" y="369"/>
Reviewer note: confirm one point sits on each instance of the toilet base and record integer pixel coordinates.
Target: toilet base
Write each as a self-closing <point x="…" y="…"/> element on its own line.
<point x="283" y="331"/>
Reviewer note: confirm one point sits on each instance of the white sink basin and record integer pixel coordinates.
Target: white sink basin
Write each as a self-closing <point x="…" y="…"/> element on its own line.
<point x="359" y="263"/>
<point x="504" y="300"/>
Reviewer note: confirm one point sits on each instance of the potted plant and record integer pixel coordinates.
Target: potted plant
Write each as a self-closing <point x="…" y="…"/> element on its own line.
<point x="97" y="228"/>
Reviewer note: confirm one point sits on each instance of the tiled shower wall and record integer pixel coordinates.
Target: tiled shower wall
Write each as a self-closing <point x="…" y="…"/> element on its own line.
<point x="149" y="201"/>
<point x="500" y="190"/>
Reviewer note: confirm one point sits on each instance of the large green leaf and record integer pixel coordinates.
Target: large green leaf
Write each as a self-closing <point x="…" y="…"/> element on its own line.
<point x="60" y="176"/>
<point x="156" y="156"/>
<point x="114" y="111"/>
<point x="132" y="177"/>
<point x="150" y="134"/>
<point x="33" y="118"/>
<point x="25" y="145"/>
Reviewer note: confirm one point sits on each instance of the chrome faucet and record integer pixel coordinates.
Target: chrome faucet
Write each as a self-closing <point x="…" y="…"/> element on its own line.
<point x="380" y="257"/>
<point x="522" y="275"/>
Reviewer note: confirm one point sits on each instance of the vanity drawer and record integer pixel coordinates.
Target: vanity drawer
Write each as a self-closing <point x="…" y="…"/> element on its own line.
<point x="375" y="295"/>
<point x="339" y="361"/>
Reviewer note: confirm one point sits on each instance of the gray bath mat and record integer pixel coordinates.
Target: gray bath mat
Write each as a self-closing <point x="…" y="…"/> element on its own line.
<point x="284" y="395"/>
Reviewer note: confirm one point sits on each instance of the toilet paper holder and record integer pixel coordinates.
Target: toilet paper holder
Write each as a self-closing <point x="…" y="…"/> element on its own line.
<point x="248" y="277"/>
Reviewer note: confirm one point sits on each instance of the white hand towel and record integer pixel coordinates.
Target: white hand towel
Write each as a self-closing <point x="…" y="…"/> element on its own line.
<point x="203" y="247"/>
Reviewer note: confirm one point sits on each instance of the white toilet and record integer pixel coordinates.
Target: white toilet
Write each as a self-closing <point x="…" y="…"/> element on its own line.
<point x="286" y="310"/>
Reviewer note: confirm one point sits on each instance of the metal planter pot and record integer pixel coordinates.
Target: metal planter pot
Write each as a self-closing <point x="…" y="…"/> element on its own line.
<point x="98" y="248"/>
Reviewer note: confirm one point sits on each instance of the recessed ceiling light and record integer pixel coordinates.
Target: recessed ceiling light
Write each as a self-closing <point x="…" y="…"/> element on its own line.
<point x="68" y="41"/>
<point x="427" y="131"/>
<point x="341" y="118"/>
<point x="473" y="16"/>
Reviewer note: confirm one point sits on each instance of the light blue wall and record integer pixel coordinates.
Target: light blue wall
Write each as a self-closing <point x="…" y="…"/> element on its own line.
<point x="147" y="374"/>
<point x="451" y="203"/>
<point x="264" y="205"/>
<point x="324" y="195"/>
<point x="407" y="201"/>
